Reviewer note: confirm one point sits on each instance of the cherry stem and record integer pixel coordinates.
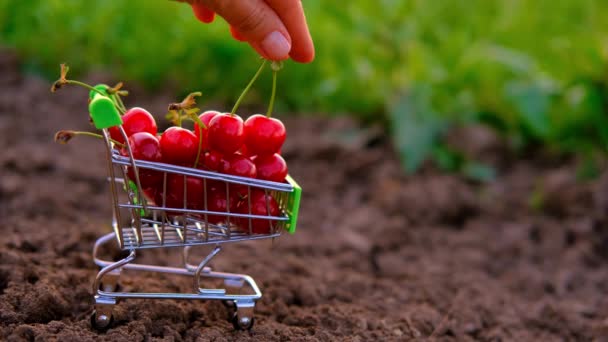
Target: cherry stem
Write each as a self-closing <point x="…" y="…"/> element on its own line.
<point x="198" y="153"/>
<point x="82" y="84"/>
<point x="246" y="90"/>
<point x="118" y="103"/>
<point x="272" y="96"/>
<point x="90" y="134"/>
<point x="201" y="126"/>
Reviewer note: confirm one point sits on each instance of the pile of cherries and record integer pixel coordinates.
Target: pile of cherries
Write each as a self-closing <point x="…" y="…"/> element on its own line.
<point x="223" y="143"/>
<point x="218" y="142"/>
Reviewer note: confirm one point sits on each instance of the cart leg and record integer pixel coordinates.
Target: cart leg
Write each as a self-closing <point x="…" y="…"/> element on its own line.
<point x="103" y="317"/>
<point x="185" y="256"/>
<point x="233" y="286"/>
<point x="243" y="316"/>
<point x="190" y="267"/>
<point x="202" y="269"/>
<point x="109" y="275"/>
<point x="243" y="313"/>
<point x="109" y="283"/>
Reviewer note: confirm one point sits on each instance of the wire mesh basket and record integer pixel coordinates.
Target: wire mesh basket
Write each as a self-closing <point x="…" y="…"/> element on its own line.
<point x="187" y="221"/>
<point x="181" y="212"/>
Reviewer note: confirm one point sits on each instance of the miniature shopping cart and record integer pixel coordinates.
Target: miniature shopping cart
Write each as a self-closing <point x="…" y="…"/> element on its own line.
<point x="139" y="223"/>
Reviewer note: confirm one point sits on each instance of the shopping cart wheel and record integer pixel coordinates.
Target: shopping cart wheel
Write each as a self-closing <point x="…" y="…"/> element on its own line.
<point x="101" y="323"/>
<point x="242" y="323"/>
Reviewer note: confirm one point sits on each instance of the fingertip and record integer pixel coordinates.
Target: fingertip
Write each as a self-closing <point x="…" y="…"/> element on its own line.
<point x="258" y="49"/>
<point x="202" y="13"/>
<point x="303" y="55"/>
<point x="276" y="45"/>
<point x="292" y="14"/>
<point x="303" y="58"/>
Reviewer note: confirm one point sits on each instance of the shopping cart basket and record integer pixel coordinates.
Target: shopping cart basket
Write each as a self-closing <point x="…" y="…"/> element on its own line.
<point x="139" y="222"/>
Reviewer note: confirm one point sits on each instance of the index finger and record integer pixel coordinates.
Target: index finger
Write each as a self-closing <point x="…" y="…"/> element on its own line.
<point x="292" y="15"/>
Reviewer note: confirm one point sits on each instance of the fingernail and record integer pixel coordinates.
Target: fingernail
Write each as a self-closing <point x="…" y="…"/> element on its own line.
<point x="276" y="45"/>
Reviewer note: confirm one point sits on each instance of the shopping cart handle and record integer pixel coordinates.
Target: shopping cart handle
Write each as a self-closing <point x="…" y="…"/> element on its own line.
<point x="99" y="89"/>
<point x="104" y="112"/>
<point x="293" y="205"/>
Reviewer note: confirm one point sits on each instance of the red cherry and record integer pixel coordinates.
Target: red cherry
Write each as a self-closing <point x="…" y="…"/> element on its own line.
<point x="264" y="135"/>
<point x="203" y="131"/>
<point x="150" y="181"/>
<point x="145" y="146"/>
<point x="210" y="161"/>
<point x="150" y="193"/>
<point x="238" y="165"/>
<point x="215" y="185"/>
<point x="217" y="202"/>
<point x="195" y="192"/>
<point x="179" y="146"/>
<point x="272" y="168"/>
<point x="202" y="13"/>
<point x="226" y="133"/>
<point x="135" y="120"/>
<point x="261" y="204"/>
<point x="245" y="151"/>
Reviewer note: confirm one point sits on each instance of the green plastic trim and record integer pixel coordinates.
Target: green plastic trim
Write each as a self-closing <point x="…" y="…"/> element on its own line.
<point x="133" y="187"/>
<point x="104" y="112"/>
<point x="101" y="87"/>
<point x="293" y="205"/>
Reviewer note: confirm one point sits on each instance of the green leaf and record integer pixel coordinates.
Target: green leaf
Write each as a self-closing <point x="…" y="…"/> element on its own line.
<point x="451" y="160"/>
<point x="447" y="159"/>
<point x="478" y="171"/>
<point x="532" y="103"/>
<point x="416" y="127"/>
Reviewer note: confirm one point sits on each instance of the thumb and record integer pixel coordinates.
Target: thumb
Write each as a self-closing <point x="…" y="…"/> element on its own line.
<point x="257" y="23"/>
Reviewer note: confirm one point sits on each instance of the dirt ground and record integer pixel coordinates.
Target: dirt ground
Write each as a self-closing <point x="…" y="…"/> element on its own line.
<point x="378" y="255"/>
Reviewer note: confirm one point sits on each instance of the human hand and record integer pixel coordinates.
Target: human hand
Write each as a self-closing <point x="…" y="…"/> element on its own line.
<point x="276" y="29"/>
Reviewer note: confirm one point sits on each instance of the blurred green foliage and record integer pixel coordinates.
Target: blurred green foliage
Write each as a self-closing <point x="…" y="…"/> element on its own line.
<point x="537" y="70"/>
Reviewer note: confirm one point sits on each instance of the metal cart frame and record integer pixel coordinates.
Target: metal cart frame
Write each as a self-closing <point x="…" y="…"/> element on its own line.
<point x="139" y="223"/>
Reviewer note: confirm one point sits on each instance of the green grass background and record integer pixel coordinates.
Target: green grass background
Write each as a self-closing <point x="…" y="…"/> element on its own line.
<point x="535" y="70"/>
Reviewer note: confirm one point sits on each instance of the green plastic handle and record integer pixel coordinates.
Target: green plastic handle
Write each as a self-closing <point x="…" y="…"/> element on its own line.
<point x="104" y="112"/>
<point x="133" y="188"/>
<point x="103" y="88"/>
<point x="293" y="205"/>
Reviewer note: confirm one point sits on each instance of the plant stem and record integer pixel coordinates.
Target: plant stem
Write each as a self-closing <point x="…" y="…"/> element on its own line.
<point x="272" y="96"/>
<point x="198" y="153"/>
<point x="255" y="77"/>
<point x="119" y="104"/>
<point x="84" y="85"/>
<point x="200" y="141"/>
<point x="95" y="135"/>
<point x="69" y="134"/>
<point x="201" y="127"/>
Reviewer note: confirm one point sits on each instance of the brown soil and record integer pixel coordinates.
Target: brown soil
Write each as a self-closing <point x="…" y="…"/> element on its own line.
<point x="378" y="255"/>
